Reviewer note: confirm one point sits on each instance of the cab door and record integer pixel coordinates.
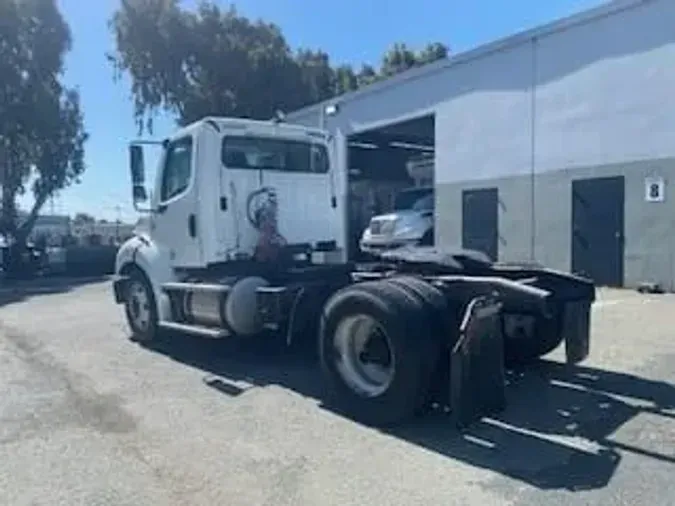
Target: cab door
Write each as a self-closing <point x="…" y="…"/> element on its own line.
<point x="174" y="224"/>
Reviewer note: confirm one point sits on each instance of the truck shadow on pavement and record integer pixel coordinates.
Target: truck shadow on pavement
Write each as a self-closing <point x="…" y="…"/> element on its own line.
<point x="556" y="433"/>
<point x="14" y="291"/>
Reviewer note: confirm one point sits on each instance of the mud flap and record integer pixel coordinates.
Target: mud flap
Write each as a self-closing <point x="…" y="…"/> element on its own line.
<point x="477" y="376"/>
<point x="576" y="330"/>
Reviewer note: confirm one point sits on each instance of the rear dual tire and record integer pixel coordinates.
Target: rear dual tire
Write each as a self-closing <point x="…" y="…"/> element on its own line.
<point x="546" y="337"/>
<point x="403" y="319"/>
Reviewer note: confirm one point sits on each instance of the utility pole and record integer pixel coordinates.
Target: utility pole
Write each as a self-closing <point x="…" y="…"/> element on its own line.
<point x="118" y="220"/>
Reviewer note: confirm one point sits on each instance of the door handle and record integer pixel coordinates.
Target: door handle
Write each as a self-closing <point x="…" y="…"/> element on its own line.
<point x="192" y="225"/>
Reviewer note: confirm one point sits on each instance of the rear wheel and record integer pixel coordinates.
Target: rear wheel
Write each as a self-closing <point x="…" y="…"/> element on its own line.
<point x="373" y="352"/>
<point x="522" y="348"/>
<point x="140" y="307"/>
<point x="444" y="328"/>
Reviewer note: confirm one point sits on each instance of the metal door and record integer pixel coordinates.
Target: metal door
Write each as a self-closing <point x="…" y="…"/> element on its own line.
<point x="598" y="229"/>
<point x="480" y="221"/>
<point x="175" y="224"/>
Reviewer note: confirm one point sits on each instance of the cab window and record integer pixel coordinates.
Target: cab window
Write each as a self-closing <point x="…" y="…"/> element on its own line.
<point x="177" y="168"/>
<point x="246" y="152"/>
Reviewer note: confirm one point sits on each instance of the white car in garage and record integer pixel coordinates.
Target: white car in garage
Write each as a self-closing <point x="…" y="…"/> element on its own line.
<point x="410" y="223"/>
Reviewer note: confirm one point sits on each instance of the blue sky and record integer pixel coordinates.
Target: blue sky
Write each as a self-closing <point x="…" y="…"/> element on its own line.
<point x="351" y="31"/>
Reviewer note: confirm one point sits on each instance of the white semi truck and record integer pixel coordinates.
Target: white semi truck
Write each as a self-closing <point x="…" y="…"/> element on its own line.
<point x="245" y="236"/>
<point x="410" y="223"/>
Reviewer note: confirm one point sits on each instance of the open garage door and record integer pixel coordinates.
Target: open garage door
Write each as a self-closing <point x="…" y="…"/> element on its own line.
<point x="390" y="186"/>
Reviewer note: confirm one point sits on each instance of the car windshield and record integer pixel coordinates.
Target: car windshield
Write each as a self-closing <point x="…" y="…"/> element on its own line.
<point x="247" y="152"/>
<point x="419" y="199"/>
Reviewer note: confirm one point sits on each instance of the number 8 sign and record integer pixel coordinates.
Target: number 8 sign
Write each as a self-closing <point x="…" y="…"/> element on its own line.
<point x="654" y="189"/>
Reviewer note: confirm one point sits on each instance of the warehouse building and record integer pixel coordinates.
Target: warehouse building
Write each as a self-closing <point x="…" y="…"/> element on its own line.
<point x="556" y="145"/>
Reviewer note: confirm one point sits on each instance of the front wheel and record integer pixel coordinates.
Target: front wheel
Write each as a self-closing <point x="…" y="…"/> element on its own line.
<point x="140" y="308"/>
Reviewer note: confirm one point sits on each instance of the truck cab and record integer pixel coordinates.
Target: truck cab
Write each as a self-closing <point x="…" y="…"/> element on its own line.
<point x="211" y="173"/>
<point x="227" y="193"/>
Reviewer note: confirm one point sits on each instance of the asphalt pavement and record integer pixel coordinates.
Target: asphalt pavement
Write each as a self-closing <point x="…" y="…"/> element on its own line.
<point x="88" y="417"/>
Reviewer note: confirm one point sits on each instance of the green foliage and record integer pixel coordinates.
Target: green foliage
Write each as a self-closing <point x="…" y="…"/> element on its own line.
<point x="41" y="127"/>
<point x="84" y="218"/>
<point x="214" y="61"/>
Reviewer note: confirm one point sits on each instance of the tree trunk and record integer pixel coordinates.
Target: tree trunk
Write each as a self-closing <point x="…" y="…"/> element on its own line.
<point x="16" y="265"/>
<point x="8" y="218"/>
<point x="24" y="230"/>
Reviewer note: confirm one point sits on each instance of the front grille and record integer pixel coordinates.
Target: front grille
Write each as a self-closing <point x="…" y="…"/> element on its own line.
<point x="382" y="227"/>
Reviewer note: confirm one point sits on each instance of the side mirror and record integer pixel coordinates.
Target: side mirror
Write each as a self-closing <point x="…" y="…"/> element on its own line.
<point x="137" y="167"/>
<point x="139" y="193"/>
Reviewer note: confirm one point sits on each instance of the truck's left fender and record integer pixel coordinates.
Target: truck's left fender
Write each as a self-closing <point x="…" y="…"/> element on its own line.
<point x="143" y="254"/>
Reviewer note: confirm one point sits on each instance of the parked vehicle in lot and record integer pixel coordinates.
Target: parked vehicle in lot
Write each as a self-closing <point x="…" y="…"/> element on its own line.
<point x="21" y="262"/>
<point x="245" y="237"/>
<point x="411" y="223"/>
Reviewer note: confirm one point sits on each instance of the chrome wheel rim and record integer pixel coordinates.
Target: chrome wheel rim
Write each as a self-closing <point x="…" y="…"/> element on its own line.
<point x="139" y="306"/>
<point x="365" y="359"/>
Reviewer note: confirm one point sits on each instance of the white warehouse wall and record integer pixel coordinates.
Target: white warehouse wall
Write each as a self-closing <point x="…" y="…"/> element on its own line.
<point x="603" y="93"/>
<point x="484" y="128"/>
<point x="606" y="90"/>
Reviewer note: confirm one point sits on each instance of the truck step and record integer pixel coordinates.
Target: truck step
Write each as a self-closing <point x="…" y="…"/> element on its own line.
<point x="195" y="287"/>
<point x="207" y="332"/>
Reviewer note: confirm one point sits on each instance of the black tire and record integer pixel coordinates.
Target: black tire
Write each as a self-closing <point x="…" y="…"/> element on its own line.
<point x="402" y="319"/>
<point x="142" y="329"/>
<point x="427" y="331"/>
<point x="441" y="317"/>
<point x="444" y="331"/>
<point x="547" y="337"/>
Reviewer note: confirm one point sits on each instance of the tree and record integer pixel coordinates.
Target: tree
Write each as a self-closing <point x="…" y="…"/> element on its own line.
<point x="431" y="53"/>
<point x="214" y="61"/>
<point x="84" y="218"/>
<point x="318" y="78"/>
<point x="367" y="75"/>
<point x="41" y="133"/>
<point x="398" y="59"/>
<point x="211" y="61"/>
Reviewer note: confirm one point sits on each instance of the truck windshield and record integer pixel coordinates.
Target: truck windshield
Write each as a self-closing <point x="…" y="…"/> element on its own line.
<point x="419" y="199"/>
<point x="247" y="152"/>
